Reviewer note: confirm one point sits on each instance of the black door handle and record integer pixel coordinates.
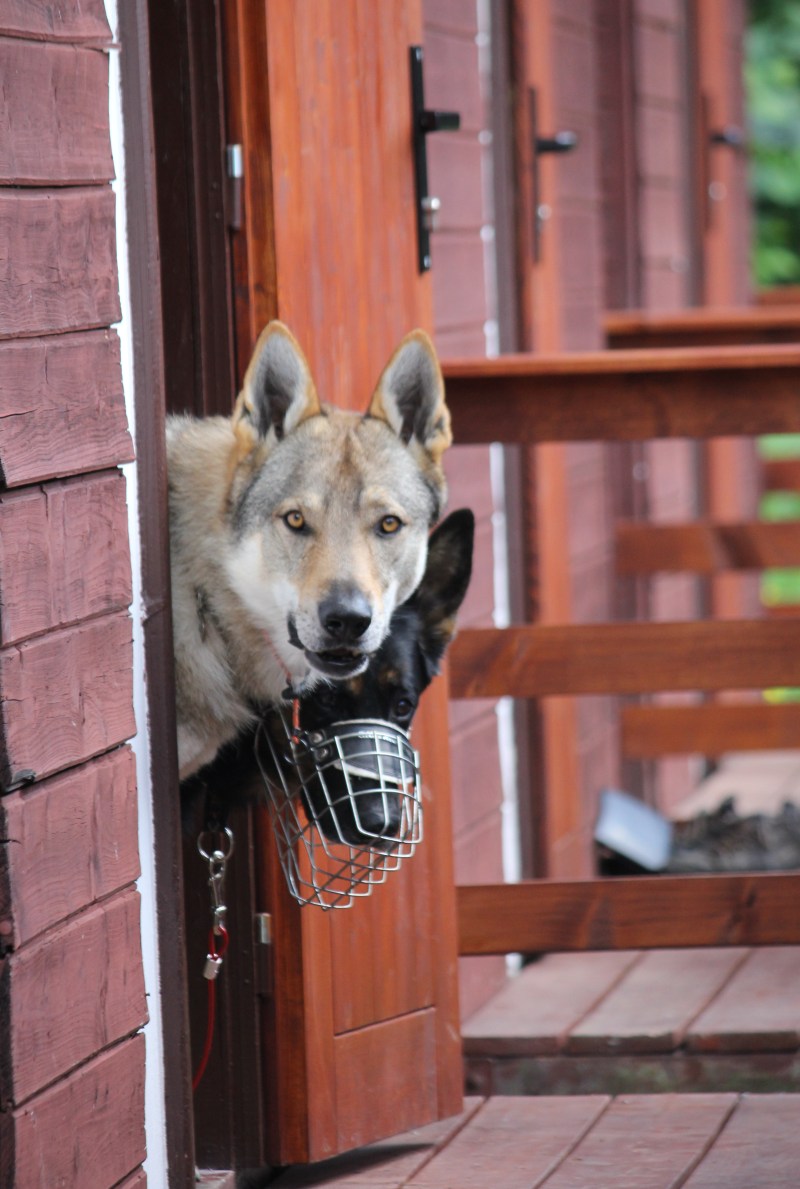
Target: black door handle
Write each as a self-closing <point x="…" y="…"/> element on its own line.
<point x="425" y="120"/>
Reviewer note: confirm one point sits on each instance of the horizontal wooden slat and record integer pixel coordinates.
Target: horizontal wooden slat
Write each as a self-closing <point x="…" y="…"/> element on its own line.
<point x="624" y="658"/>
<point x="537" y="916"/>
<point x="65" y="697"/>
<point x="62" y="409"/>
<point x="79" y="21"/>
<point x="73" y="841"/>
<point x="87" y="1130"/>
<point x="54" y="114"/>
<point x="781" y="474"/>
<point x="61" y="261"/>
<point x="64" y="554"/>
<point x="759" y="1009"/>
<point x="706" y="548"/>
<point x="67" y="1000"/>
<point x="625" y="395"/>
<point x="648" y="732"/>
<point x="760" y="1146"/>
<point x="707" y="325"/>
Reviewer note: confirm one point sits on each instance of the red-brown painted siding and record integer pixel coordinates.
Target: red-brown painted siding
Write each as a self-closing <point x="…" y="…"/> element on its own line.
<point x="72" y="997"/>
<point x="463" y="304"/>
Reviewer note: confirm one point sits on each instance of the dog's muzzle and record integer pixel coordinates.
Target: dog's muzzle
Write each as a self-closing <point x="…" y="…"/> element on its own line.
<point x="345" y="803"/>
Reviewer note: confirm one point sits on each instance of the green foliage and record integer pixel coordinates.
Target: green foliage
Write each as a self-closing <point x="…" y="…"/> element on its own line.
<point x="772" y="85"/>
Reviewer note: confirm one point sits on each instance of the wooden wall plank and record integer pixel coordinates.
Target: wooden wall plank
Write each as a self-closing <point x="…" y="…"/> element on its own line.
<point x="648" y="732"/>
<point x="705" y="547"/>
<point x="60" y="248"/>
<point x="64" y="554"/>
<point x="65" y="697"/>
<point x="80" y="21"/>
<point x="625" y="395"/>
<point x="62" y="409"/>
<point x="87" y="1130"/>
<point x="636" y="913"/>
<point x="73" y="842"/>
<point x="624" y="658"/>
<point x="54" y="115"/>
<point x="75" y="991"/>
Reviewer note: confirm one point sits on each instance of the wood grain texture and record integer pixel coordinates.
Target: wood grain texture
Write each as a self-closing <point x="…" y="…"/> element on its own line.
<point x="74" y="991"/>
<point x="73" y="841"/>
<point x="625" y="395"/>
<point x="79" y="21"/>
<point x="624" y="658"/>
<point x="64" y="554"/>
<point x="62" y="409"/>
<point x="54" y="115"/>
<point x="702" y="326"/>
<point x="513" y="1142"/>
<point x="759" y="1146"/>
<point x="648" y="1142"/>
<point x="645" y="913"/>
<point x="65" y="696"/>
<point x="535" y="1012"/>
<point x="403" y="1089"/>
<point x="759" y="1009"/>
<point x="637" y="1017"/>
<point x="706" y="548"/>
<point x="647" y="732"/>
<point x="87" y="1131"/>
<point x="60" y="246"/>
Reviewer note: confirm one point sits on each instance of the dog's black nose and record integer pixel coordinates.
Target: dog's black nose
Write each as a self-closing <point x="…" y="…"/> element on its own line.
<point x="345" y="615"/>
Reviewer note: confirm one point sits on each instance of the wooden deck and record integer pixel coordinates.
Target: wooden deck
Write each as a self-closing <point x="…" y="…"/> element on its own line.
<point x="663" y="1141"/>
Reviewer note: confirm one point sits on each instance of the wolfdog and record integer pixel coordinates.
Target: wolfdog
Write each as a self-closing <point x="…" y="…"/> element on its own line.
<point x="296" y="530"/>
<point x="389" y="690"/>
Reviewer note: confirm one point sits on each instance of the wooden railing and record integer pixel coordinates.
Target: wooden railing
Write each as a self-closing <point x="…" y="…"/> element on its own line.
<point x="707" y="326"/>
<point x="626" y="395"/>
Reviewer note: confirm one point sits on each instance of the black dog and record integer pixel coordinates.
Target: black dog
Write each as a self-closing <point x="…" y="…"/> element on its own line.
<point x="389" y="691"/>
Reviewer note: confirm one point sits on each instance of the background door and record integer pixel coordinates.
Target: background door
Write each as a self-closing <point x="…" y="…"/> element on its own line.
<point x="361" y="1034"/>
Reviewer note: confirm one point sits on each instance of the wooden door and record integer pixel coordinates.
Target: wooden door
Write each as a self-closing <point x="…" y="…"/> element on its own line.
<point x="361" y="1034"/>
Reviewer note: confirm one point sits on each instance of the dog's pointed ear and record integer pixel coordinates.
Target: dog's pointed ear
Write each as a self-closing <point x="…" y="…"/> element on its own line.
<point x="409" y="396"/>
<point x="278" y="392"/>
<point x="444" y="584"/>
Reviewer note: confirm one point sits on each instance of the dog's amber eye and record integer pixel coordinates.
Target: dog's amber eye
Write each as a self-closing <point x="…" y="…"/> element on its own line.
<point x="295" y="520"/>
<point x="390" y="525"/>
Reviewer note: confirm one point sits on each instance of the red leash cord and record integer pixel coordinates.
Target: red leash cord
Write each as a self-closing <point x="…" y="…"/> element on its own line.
<point x="217" y="861"/>
<point x="213" y="963"/>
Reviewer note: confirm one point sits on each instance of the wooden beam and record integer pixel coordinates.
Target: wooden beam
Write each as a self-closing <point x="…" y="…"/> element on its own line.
<point x="646" y="912"/>
<point x="702" y="326"/>
<point x="781" y="474"/>
<point x="624" y="658"/>
<point x="700" y="392"/>
<point x="648" y="732"/>
<point x="706" y="548"/>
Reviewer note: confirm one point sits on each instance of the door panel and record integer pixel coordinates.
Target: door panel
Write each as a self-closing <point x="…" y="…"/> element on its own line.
<point x="361" y="1033"/>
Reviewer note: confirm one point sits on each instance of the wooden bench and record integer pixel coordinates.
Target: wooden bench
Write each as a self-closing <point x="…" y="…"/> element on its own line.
<point x="627" y="395"/>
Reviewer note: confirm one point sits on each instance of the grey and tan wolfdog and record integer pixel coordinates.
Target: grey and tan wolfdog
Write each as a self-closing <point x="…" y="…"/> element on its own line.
<point x="296" y="529"/>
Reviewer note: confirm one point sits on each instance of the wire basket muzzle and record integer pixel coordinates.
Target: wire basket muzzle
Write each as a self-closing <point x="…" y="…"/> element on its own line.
<point x="345" y="803"/>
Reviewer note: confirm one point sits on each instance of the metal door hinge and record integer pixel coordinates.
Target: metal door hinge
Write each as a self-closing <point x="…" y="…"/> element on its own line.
<point x="234" y="167"/>
<point x="263" y="953"/>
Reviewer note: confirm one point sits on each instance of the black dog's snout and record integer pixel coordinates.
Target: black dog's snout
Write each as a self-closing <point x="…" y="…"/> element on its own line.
<point x="345" y="615"/>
